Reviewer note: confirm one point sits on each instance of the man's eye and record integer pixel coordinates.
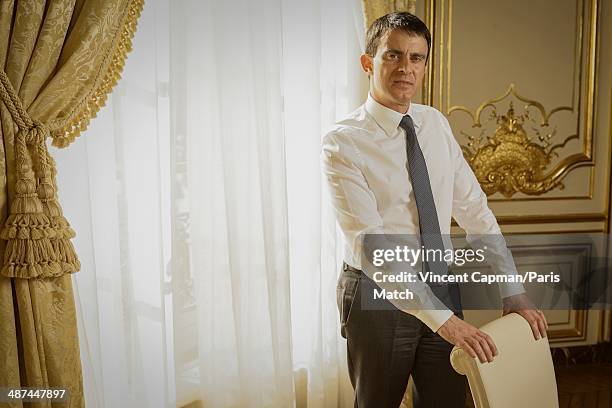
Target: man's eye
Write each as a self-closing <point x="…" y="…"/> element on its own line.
<point x="393" y="56"/>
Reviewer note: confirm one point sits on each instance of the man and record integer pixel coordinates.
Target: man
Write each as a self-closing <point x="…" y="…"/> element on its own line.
<point x="394" y="167"/>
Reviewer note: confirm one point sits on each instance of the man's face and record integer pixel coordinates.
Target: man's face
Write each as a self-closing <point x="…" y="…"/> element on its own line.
<point x="396" y="71"/>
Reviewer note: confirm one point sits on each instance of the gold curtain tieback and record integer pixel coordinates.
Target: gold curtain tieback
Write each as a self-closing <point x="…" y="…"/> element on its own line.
<point x="37" y="233"/>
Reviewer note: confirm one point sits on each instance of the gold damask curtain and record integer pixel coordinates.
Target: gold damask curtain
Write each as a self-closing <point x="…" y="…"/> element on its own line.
<point x="58" y="61"/>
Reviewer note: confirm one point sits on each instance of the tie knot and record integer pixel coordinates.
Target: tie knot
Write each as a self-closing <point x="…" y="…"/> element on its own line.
<point x="407" y="122"/>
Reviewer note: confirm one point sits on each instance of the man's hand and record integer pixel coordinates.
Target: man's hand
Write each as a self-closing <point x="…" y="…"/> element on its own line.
<point x="469" y="338"/>
<point x="522" y="305"/>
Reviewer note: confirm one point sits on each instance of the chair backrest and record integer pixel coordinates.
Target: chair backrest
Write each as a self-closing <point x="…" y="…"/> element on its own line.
<point x="521" y="375"/>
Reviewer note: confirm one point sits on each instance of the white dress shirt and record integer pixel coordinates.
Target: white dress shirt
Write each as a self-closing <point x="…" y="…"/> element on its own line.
<point x="364" y="163"/>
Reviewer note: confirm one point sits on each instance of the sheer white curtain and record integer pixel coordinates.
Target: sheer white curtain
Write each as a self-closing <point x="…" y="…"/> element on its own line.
<point x="114" y="183"/>
<point x="209" y="252"/>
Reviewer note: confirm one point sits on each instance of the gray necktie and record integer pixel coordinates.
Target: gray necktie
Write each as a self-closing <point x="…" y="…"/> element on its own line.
<point x="431" y="237"/>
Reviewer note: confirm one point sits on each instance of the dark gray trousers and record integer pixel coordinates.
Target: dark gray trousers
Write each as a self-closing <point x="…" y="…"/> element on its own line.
<point x="385" y="347"/>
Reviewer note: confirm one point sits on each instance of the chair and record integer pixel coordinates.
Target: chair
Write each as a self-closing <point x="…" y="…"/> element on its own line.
<point x="521" y="375"/>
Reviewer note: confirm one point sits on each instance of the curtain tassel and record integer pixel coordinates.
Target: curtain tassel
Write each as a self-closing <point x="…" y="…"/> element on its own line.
<point x="62" y="231"/>
<point x="29" y="252"/>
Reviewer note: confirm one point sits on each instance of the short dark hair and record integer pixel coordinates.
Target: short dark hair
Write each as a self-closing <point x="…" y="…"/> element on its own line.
<point x="400" y="20"/>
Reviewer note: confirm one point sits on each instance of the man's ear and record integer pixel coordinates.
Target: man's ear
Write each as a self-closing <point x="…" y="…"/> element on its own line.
<point x="367" y="64"/>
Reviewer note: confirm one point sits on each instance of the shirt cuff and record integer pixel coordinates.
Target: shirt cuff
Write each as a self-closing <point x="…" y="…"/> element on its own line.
<point x="434" y="319"/>
<point x="508" y="289"/>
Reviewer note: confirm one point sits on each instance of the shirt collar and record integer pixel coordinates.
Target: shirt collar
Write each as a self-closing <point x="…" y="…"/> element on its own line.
<point x="388" y="119"/>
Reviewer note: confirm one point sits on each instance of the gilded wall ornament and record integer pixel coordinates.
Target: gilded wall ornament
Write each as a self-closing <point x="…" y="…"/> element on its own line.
<point x="514" y="159"/>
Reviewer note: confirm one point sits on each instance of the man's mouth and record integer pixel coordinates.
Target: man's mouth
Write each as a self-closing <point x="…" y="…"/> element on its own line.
<point x="403" y="82"/>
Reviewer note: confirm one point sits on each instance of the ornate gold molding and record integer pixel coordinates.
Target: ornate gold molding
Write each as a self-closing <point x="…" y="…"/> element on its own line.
<point x="577" y="332"/>
<point x="508" y="159"/>
<point x="440" y="14"/>
<point x="373" y="9"/>
<point x="551" y="218"/>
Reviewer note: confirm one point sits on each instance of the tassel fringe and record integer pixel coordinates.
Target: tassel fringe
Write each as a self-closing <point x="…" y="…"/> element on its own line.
<point x="30" y="258"/>
<point x="63" y="232"/>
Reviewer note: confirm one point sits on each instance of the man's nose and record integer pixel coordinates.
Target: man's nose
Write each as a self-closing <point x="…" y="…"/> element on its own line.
<point x="406" y="66"/>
